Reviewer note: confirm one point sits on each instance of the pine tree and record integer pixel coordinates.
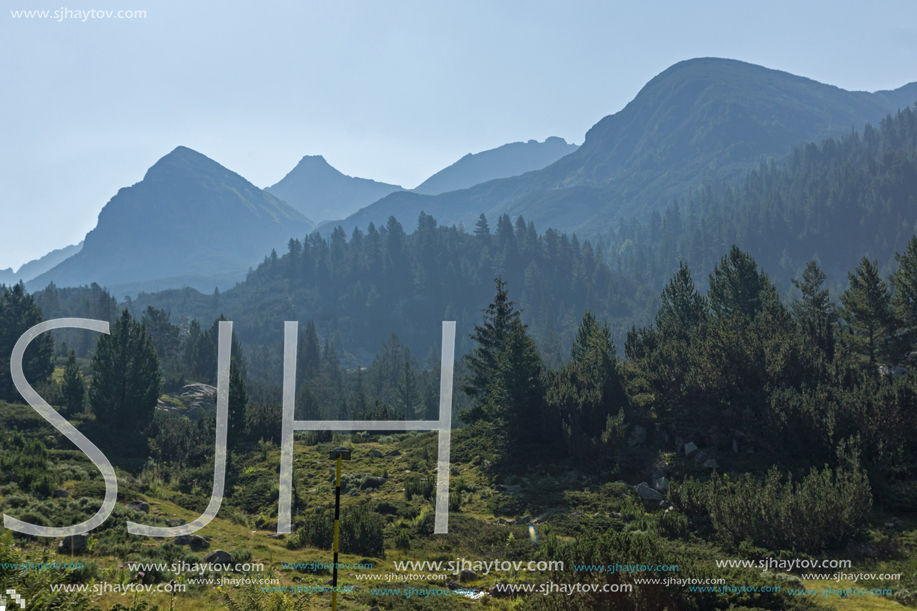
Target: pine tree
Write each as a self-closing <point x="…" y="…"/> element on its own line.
<point x="238" y="405"/>
<point x="18" y="314"/>
<point x="167" y="341"/>
<point x="481" y="228"/>
<point x="430" y="398"/>
<point x="164" y="334"/>
<point x="815" y="313"/>
<point x="682" y="307"/>
<point x="408" y="395"/>
<point x="197" y="350"/>
<point x="306" y="406"/>
<point x="588" y="393"/>
<point x="905" y="281"/>
<point x="491" y="337"/>
<point x="867" y="310"/>
<point x="735" y="285"/>
<point x="360" y="404"/>
<point x="125" y="376"/>
<point x="331" y="365"/>
<point x="235" y="352"/>
<point x="309" y="358"/>
<point x="515" y="397"/>
<point x="73" y="386"/>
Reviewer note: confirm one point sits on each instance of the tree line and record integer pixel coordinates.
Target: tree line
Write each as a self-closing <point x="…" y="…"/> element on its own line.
<point x="831" y="202"/>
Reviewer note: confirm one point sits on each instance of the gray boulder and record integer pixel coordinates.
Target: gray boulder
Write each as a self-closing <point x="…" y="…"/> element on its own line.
<point x="648" y="494"/>
<point x="661" y="484"/>
<point x="198" y="543"/>
<point x="218" y="556"/>
<point x="60" y="493"/>
<point x="893" y="371"/>
<point x="637" y="437"/>
<point x="375" y="453"/>
<point x="711" y="463"/>
<point x="468" y="575"/>
<point x="690" y="449"/>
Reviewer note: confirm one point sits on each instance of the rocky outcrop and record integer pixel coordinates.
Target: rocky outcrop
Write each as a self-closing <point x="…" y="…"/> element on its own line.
<point x="191" y="401"/>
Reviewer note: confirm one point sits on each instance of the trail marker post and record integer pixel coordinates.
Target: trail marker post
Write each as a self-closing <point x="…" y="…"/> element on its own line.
<point x="338" y="454"/>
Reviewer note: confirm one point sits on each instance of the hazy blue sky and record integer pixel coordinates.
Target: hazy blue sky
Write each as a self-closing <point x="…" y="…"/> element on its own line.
<point x="391" y="90"/>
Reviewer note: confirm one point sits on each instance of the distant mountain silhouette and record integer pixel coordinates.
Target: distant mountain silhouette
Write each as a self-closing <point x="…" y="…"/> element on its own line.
<point x="702" y="119"/>
<point x="502" y="162"/>
<point x="38" y="266"/>
<point x="321" y="192"/>
<point x="189" y="220"/>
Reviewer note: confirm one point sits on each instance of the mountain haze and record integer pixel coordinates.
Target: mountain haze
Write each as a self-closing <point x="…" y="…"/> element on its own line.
<point x="502" y="162"/>
<point x="190" y="221"/>
<point x="700" y="120"/>
<point x="321" y="192"/>
<point x="38" y="266"/>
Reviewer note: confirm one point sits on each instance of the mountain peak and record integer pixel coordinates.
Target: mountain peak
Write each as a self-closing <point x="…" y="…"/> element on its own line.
<point x="317" y="159"/>
<point x="700" y="120"/>
<point x="189" y="216"/>
<point x="502" y="162"/>
<point x="314" y="165"/>
<point x="185" y="161"/>
<point x="321" y="192"/>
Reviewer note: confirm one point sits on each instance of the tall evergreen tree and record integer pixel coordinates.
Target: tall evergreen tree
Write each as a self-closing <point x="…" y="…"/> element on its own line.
<point x="360" y="404"/>
<point x="125" y="376"/>
<point x="235" y="352"/>
<point x="515" y="399"/>
<point x="430" y="397"/>
<point x="490" y="338"/>
<point x="682" y="308"/>
<point x="482" y="228"/>
<point x="814" y="312"/>
<point x="18" y="314"/>
<point x="238" y="405"/>
<point x="331" y="365"/>
<point x="587" y="395"/>
<point x="905" y="282"/>
<point x="164" y="334"/>
<point x="196" y="356"/>
<point x="306" y="406"/>
<point x="408" y="393"/>
<point x="735" y="285"/>
<point x="867" y="310"/>
<point x="309" y="358"/>
<point x="73" y="386"/>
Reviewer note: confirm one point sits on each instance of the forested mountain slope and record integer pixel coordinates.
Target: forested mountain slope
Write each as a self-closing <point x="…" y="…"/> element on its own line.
<point x="700" y="120"/>
<point x="834" y="202"/>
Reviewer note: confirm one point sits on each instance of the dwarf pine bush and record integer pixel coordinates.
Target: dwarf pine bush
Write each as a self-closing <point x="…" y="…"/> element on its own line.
<point x="822" y="511"/>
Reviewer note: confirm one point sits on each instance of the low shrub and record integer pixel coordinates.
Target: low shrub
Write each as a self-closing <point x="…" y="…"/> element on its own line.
<point x="403" y="539"/>
<point x="672" y="524"/>
<point x="361" y="532"/>
<point x="822" y="511"/>
<point x="415" y="485"/>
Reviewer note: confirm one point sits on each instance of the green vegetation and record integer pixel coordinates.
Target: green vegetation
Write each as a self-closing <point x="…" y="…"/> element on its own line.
<point x="833" y="202"/>
<point x="760" y="426"/>
<point x="125" y="376"/>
